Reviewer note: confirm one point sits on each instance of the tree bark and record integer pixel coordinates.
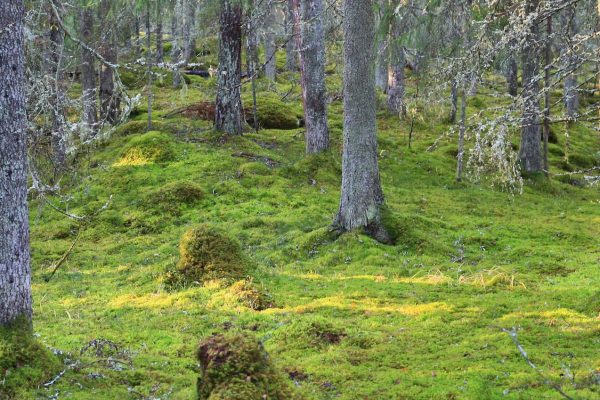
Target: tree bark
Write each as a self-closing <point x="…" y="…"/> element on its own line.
<point x="15" y="274"/>
<point x="291" y="50"/>
<point x="512" y="76"/>
<point x="175" y="48"/>
<point x="189" y="31"/>
<point x="149" y="66"/>
<point x="159" y="32"/>
<point x="88" y="73"/>
<point x="229" y="113"/>
<point x="270" y="43"/>
<point x="570" y="94"/>
<point x="548" y="60"/>
<point x="461" y="137"/>
<point x="453" y="101"/>
<point x="109" y="102"/>
<point x="252" y="57"/>
<point x="312" y="58"/>
<point x="361" y="192"/>
<point x="381" y="70"/>
<point x="530" y="154"/>
<point x="396" y="89"/>
<point x="54" y="59"/>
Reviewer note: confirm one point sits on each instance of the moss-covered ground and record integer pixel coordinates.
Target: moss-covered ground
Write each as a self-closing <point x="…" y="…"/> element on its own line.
<point x="345" y="319"/>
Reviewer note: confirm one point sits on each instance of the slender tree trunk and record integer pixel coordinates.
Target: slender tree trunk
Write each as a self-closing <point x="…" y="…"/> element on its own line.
<point x="15" y="274"/>
<point x="530" y="154"/>
<point x="138" y="40"/>
<point x="159" y="32"/>
<point x="381" y="69"/>
<point x="291" y="50"/>
<point x="270" y="43"/>
<point x="461" y="137"/>
<point x="88" y="73"/>
<point x="361" y="194"/>
<point x="548" y="60"/>
<point x="512" y="76"/>
<point x="312" y="58"/>
<point x="109" y="103"/>
<point x="189" y="31"/>
<point x="175" y="48"/>
<point x="55" y="53"/>
<point x="570" y="94"/>
<point x="229" y="112"/>
<point x="149" y="66"/>
<point x="396" y="89"/>
<point x="453" y="101"/>
<point x="252" y="56"/>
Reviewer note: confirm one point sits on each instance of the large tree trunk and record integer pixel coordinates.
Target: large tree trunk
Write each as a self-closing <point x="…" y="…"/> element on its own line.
<point x="109" y="103"/>
<point x="570" y="94"/>
<point x="381" y="69"/>
<point x="291" y="50"/>
<point x="189" y="31"/>
<point x="270" y="43"/>
<point x="229" y="113"/>
<point x="88" y="72"/>
<point x="396" y="89"/>
<point x="512" y="76"/>
<point x="15" y="274"/>
<point x="54" y="59"/>
<point x="312" y="58"/>
<point x="530" y="154"/>
<point x="361" y="194"/>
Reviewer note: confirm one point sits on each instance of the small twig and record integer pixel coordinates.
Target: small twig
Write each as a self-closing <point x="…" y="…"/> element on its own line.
<point x="64" y="257"/>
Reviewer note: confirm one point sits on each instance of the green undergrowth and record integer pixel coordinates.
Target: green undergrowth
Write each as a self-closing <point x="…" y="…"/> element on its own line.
<point x="344" y="318"/>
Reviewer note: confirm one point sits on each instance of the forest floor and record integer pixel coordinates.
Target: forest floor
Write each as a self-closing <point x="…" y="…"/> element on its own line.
<point x="350" y="318"/>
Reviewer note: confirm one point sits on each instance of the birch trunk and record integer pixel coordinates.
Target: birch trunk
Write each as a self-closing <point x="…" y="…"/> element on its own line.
<point x="15" y="274"/>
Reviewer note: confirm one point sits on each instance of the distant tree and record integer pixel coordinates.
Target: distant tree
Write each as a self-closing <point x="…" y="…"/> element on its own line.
<point x="270" y="37"/>
<point x="15" y="285"/>
<point x="88" y="71"/>
<point x="361" y="194"/>
<point x="229" y="112"/>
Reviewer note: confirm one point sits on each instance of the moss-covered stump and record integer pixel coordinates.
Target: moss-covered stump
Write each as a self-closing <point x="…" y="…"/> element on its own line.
<point x="149" y="148"/>
<point x="206" y="253"/>
<point x="235" y="366"/>
<point x="170" y="197"/>
<point x="24" y="362"/>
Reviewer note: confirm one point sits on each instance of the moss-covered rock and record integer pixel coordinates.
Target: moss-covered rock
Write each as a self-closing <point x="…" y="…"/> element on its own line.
<point x="151" y="147"/>
<point x="172" y="196"/>
<point x="234" y="366"/>
<point x="24" y="362"/>
<point x="206" y="253"/>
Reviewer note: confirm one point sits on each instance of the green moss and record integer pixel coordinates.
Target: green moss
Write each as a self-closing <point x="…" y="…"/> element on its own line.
<point x="254" y="168"/>
<point x="24" y="362"/>
<point x="151" y="147"/>
<point x="172" y="196"/>
<point x="243" y="293"/>
<point x="206" y="253"/>
<point x="310" y="331"/>
<point x="272" y="113"/>
<point x="235" y="366"/>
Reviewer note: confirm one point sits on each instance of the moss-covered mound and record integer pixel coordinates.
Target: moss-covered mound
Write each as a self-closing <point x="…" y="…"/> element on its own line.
<point x="234" y="366"/>
<point x="314" y="331"/>
<point x="272" y="112"/>
<point x="242" y="294"/>
<point x="24" y="362"/>
<point x="207" y="253"/>
<point x="172" y="196"/>
<point x="151" y="147"/>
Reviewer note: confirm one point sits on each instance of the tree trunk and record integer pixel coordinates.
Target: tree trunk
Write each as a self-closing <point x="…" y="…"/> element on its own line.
<point x="138" y="40"/>
<point x="88" y="73"/>
<point x="381" y="70"/>
<point x="570" y="94"/>
<point x="252" y="57"/>
<point x="530" y="154"/>
<point x="453" y="101"/>
<point x="15" y="274"/>
<point x="291" y="50"/>
<point x="109" y="103"/>
<point x="461" y="136"/>
<point x="229" y="113"/>
<point x="159" y="32"/>
<point x="189" y="31"/>
<point x="54" y="59"/>
<point x="396" y="89"/>
<point x="361" y="193"/>
<point x="512" y="76"/>
<point x="270" y="44"/>
<point x="548" y="60"/>
<point x="312" y="58"/>
<point x="149" y="66"/>
<point x="175" y="48"/>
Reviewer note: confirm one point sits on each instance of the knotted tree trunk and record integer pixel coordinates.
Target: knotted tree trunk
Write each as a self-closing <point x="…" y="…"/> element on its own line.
<point x="312" y="59"/>
<point x="229" y="113"/>
<point x="530" y="153"/>
<point x="15" y="281"/>
<point x="361" y="195"/>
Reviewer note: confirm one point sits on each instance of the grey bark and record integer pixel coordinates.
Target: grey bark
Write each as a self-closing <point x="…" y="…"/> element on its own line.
<point x="138" y="40"/>
<point x="252" y="57"/>
<point x="570" y="94"/>
<point x="291" y="50"/>
<point x="530" y="154"/>
<point x="109" y="102"/>
<point x="175" y="48"/>
<point x="270" y="43"/>
<point x="88" y="72"/>
<point x="547" y="62"/>
<point x="159" y="32"/>
<point x="189" y="31"/>
<point x="54" y="59"/>
<point x="382" y="66"/>
<point x="149" y="66"/>
<point x="396" y="89"/>
<point x="361" y="192"/>
<point x="312" y="60"/>
<point x="229" y="112"/>
<point x="512" y="76"/>
<point x="453" y="101"/>
<point x="461" y="137"/>
<point x="15" y="273"/>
